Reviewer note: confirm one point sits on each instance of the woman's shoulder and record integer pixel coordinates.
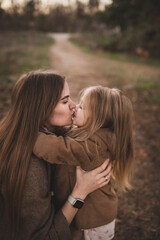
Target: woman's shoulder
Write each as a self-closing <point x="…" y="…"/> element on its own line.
<point x="38" y="176"/>
<point x="38" y="165"/>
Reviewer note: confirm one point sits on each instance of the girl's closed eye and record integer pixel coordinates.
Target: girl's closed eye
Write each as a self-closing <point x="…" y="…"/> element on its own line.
<point x="80" y="106"/>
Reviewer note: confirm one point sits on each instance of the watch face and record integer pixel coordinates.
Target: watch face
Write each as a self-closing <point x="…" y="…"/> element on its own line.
<point x="78" y="204"/>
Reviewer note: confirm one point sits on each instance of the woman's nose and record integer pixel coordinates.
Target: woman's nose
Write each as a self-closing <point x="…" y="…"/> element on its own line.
<point x="72" y="105"/>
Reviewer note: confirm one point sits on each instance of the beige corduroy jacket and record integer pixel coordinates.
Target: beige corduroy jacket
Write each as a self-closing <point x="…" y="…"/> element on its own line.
<point x="100" y="206"/>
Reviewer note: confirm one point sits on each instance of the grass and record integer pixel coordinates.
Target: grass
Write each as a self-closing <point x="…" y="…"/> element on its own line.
<point x="150" y="91"/>
<point x="22" y="52"/>
<point x="88" y="46"/>
<point x="133" y="59"/>
<point x="126" y="71"/>
<point x="147" y="85"/>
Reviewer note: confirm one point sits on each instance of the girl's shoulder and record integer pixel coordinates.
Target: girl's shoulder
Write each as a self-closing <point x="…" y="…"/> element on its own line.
<point x="105" y="133"/>
<point x="105" y="137"/>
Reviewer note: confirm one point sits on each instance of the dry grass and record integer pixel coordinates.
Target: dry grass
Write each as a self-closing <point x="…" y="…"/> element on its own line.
<point x="20" y="52"/>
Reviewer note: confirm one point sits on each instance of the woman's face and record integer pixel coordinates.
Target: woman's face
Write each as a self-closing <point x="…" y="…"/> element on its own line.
<point x="79" y="116"/>
<point x="63" y="112"/>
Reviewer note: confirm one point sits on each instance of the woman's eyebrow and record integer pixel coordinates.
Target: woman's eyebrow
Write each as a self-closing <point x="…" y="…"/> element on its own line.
<point x="65" y="97"/>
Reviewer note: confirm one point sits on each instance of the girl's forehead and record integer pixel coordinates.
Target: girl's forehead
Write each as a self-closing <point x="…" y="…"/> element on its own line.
<point x="81" y="100"/>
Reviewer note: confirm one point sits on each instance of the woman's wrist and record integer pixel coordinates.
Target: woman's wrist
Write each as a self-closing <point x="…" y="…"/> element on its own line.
<point x="78" y="193"/>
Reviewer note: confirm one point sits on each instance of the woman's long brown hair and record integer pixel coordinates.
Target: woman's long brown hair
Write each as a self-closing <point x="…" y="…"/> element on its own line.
<point x="33" y="99"/>
<point x="110" y="108"/>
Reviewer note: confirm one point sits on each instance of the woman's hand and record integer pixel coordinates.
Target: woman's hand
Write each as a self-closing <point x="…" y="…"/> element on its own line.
<point x="87" y="182"/>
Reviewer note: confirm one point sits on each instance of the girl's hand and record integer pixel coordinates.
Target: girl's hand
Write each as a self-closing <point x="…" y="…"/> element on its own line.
<point x="87" y="182"/>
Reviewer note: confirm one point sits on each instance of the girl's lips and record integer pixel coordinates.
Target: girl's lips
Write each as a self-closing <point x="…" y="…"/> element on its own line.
<point x="73" y="116"/>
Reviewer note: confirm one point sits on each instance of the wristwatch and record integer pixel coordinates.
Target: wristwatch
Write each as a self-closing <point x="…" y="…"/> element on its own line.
<point x="75" y="202"/>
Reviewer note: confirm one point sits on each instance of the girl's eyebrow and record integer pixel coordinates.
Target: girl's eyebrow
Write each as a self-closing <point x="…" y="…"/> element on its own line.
<point x="65" y="97"/>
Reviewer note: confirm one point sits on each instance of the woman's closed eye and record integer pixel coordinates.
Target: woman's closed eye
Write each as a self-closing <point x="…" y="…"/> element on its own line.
<point x="65" y="102"/>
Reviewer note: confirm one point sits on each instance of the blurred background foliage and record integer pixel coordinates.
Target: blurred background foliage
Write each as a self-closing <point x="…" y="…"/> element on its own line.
<point x="130" y="26"/>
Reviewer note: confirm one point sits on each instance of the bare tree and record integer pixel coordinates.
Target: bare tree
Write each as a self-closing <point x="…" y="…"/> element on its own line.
<point x="93" y="4"/>
<point x="1" y="1"/>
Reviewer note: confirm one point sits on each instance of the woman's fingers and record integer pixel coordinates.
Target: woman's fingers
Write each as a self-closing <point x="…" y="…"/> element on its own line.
<point x="105" y="179"/>
<point x="87" y="182"/>
<point x="106" y="172"/>
<point x="105" y="176"/>
<point x="104" y="183"/>
<point x="102" y="167"/>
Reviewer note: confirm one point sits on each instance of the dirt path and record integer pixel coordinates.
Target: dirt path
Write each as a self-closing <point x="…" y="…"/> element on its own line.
<point x="79" y="67"/>
<point x="138" y="217"/>
<point x="84" y="69"/>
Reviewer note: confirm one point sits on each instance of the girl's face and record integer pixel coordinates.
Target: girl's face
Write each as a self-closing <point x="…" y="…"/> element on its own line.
<point x="79" y="116"/>
<point x="63" y="112"/>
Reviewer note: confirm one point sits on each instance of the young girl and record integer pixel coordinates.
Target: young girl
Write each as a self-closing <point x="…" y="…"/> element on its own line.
<point x="104" y="119"/>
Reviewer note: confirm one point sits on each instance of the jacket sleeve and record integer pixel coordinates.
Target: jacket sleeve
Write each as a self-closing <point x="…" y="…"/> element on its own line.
<point x="61" y="227"/>
<point x="65" y="150"/>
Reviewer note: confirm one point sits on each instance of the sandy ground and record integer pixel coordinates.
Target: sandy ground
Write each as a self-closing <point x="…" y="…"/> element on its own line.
<point x="139" y="210"/>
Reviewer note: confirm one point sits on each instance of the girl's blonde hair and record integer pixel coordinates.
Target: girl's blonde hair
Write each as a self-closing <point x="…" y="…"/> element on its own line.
<point x="110" y="108"/>
<point x="34" y="97"/>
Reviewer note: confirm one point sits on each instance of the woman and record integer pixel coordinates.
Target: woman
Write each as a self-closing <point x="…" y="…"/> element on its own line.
<point x="26" y="203"/>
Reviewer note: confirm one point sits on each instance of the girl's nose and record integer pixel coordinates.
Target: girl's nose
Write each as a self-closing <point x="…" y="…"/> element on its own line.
<point x="77" y="106"/>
